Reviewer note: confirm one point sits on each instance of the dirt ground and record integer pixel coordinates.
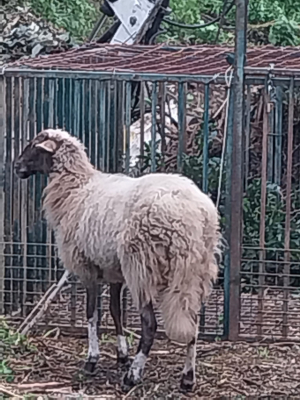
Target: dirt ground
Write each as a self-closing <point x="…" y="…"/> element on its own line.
<point x="50" y="366"/>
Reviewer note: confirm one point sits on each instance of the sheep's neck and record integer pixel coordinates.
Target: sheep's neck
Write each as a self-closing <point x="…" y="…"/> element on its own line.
<point x="61" y="193"/>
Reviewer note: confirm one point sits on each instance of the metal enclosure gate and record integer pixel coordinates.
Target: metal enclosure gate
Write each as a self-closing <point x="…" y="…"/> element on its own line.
<point x="97" y="109"/>
<point x="262" y="286"/>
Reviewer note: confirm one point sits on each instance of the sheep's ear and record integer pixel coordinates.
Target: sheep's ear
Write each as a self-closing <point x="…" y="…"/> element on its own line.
<point x="49" y="146"/>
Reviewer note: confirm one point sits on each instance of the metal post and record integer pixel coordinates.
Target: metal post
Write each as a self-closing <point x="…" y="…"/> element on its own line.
<point x="2" y="135"/>
<point x="237" y="169"/>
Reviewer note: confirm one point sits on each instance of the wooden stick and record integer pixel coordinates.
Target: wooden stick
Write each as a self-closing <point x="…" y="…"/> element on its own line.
<point x="44" y="302"/>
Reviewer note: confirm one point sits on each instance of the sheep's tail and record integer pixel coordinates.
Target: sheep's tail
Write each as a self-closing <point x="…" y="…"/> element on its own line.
<point x="180" y="319"/>
<point x="182" y="300"/>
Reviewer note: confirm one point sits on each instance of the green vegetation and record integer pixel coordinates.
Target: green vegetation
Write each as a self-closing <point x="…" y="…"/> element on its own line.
<point x="276" y="22"/>
<point x="12" y="345"/>
<point x="270" y="21"/>
<point x="78" y="17"/>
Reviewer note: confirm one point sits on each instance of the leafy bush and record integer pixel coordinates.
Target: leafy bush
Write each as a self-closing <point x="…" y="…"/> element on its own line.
<point x="75" y="16"/>
<point x="280" y="19"/>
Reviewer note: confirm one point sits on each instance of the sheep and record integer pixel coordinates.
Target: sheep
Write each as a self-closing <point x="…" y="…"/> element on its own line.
<point x="158" y="234"/>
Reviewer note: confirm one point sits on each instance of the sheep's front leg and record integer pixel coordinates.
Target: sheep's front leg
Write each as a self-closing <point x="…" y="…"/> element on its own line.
<point x="92" y="317"/>
<point x="149" y="326"/>
<point x="115" y="310"/>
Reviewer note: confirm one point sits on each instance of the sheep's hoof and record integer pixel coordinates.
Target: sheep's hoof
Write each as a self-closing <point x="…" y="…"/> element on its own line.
<point x="187" y="382"/>
<point x="123" y="359"/>
<point x="129" y="381"/>
<point x="90" y="367"/>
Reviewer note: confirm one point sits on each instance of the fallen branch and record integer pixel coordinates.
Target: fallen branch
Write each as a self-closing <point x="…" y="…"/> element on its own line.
<point x="9" y="393"/>
<point x="44" y="303"/>
<point x="38" y="387"/>
<point x="135" y="335"/>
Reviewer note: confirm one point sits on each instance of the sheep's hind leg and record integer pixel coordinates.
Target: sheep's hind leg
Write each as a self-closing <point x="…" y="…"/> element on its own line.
<point x="92" y="317"/>
<point x="115" y="310"/>
<point x="188" y="376"/>
<point x="149" y="326"/>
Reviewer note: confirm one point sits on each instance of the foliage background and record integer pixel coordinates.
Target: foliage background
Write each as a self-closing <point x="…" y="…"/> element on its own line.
<point x="270" y="21"/>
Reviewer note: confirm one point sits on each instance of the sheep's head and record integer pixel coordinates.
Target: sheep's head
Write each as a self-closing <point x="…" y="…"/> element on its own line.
<point x="46" y="153"/>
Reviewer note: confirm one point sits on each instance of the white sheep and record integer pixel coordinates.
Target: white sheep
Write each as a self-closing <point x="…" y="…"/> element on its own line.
<point x="159" y="233"/>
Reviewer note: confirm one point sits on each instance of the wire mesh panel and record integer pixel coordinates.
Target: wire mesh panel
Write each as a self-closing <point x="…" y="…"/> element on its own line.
<point x="130" y="126"/>
<point x="270" y="264"/>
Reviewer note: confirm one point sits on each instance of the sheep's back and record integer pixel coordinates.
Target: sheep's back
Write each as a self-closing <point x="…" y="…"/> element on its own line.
<point x="102" y="218"/>
<point x="169" y="238"/>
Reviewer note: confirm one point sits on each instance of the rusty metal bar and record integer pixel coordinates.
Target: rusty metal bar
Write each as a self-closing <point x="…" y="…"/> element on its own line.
<point x="153" y="127"/>
<point x="247" y="135"/>
<point x="278" y="136"/>
<point x="287" y="231"/>
<point x="181" y="124"/>
<point x="263" y="199"/>
<point x="205" y="139"/>
<point x="271" y="142"/>
<point x="237" y="169"/>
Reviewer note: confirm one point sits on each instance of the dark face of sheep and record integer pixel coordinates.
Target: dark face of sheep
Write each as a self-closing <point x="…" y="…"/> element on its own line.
<point x="36" y="157"/>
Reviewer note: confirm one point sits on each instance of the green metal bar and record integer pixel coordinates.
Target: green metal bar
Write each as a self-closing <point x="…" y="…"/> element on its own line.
<point x="39" y="104"/>
<point x="17" y="288"/>
<point x="76" y="108"/>
<point x="46" y="103"/>
<point x="229" y="147"/>
<point x="142" y="126"/>
<point x="82" y="115"/>
<point x="41" y="226"/>
<point x="87" y="107"/>
<point x="205" y="139"/>
<point x="98" y="132"/>
<point x="278" y="137"/>
<point x="163" y="124"/>
<point x="7" y="185"/>
<point x="108" y="126"/>
<point x="114" y="128"/>
<point x="181" y="125"/>
<point x="127" y="126"/>
<point x="237" y="169"/>
<point x="67" y="104"/>
<point x="27" y="117"/>
<point x="51" y="102"/>
<point x="119" y="76"/>
<point x="102" y="113"/>
<point x="37" y="186"/>
<point x="93" y="117"/>
<point x="205" y="173"/>
<point x="60" y="103"/>
<point x="120" y="121"/>
<point x="153" y="127"/>
<point x="89" y="117"/>
<point x="29" y="215"/>
<point x="2" y="194"/>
